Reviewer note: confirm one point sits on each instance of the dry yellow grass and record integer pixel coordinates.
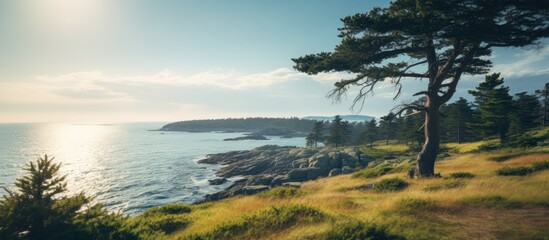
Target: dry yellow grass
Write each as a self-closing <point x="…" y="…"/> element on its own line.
<point x="452" y="219"/>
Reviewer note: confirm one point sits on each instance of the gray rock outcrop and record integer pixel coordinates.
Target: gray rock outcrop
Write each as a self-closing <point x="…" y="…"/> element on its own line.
<point x="273" y="165"/>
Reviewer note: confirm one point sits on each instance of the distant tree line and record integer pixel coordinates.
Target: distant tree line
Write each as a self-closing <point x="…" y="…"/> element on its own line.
<point x="493" y="112"/>
<point x="267" y="126"/>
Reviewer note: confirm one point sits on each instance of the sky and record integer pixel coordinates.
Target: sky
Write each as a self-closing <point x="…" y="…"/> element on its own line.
<point x="108" y="61"/>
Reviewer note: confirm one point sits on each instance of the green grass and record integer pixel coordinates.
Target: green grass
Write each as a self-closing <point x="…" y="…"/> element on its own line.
<point x="262" y="223"/>
<point x="177" y="208"/>
<point x="347" y="207"/>
<point x="358" y="230"/>
<point x="491" y="201"/>
<point x="444" y="186"/>
<point x="460" y="175"/>
<point x="522" y="171"/>
<point x="282" y="192"/>
<point x="390" y="185"/>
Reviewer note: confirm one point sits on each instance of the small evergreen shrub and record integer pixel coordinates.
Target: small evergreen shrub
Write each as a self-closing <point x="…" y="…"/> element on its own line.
<point x="390" y="185"/>
<point x="372" y="172"/>
<point x="491" y="201"/>
<point x="177" y="208"/>
<point x="462" y="175"/>
<point x="415" y="204"/>
<point x="540" y="166"/>
<point x="444" y="185"/>
<point x="282" y="192"/>
<point x="517" y="171"/>
<point x="355" y="230"/>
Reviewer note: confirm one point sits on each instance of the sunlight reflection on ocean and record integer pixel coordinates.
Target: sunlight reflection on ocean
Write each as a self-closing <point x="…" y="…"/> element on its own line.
<point x="123" y="166"/>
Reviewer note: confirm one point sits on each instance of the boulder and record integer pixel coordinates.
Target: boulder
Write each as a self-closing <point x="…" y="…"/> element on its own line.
<point x="248" y="190"/>
<point x="347" y="169"/>
<point x="217" y="181"/>
<point x="298" y="175"/>
<point x="335" y="172"/>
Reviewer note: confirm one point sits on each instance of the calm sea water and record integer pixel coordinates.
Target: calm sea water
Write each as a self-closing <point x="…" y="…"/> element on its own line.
<point x="124" y="166"/>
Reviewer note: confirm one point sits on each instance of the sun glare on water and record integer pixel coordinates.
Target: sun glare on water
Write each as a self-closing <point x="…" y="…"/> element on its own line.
<point x="81" y="149"/>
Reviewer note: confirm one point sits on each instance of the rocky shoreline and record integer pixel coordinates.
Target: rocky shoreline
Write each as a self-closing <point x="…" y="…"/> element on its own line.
<point x="269" y="166"/>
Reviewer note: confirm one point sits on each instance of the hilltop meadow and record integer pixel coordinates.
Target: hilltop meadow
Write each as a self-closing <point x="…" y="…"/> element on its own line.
<point x="497" y="194"/>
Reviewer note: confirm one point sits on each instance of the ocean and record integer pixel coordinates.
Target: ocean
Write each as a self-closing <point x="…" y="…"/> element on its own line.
<point x="125" y="167"/>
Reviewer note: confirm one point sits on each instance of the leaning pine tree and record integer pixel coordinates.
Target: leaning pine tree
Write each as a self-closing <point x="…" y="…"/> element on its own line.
<point x="434" y="40"/>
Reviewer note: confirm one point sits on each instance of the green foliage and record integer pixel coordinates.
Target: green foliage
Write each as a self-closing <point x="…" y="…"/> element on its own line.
<point x="164" y="224"/>
<point x="177" y="208"/>
<point x="494" y="105"/>
<point x="269" y="126"/>
<point x="390" y="185"/>
<point x="444" y="185"/>
<point x="540" y="166"/>
<point x="378" y="171"/>
<point x="340" y="133"/>
<point x="39" y="211"/>
<point x="262" y="223"/>
<point x="370" y="132"/>
<point x="316" y="135"/>
<point x="356" y="230"/>
<point x="517" y="171"/>
<point x="522" y="171"/>
<point x="282" y="192"/>
<point x="372" y="172"/>
<point x="409" y="205"/>
<point x="527" y="112"/>
<point x="461" y="175"/>
<point x="491" y="201"/>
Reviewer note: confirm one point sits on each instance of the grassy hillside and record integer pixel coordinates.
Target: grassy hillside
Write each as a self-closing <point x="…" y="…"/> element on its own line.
<point x="471" y="201"/>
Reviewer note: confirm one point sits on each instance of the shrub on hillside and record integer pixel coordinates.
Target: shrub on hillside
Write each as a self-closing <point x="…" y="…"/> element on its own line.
<point x="358" y="230"/>
<point x="282" y="192"/>
<point x="444" y="185"/>
<point x="262" y="223"/>
<point x="462" y="175"/>
<point x="516" y="171"/>
<point x="177" y="208"/>
<point x="39" y="210"/>
<point x="390" y="185"/>
<point x="540" y="166"/>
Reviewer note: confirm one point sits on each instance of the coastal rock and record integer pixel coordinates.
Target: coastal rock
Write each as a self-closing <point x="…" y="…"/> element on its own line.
<point x="347" y="170"/>
<point x="248" y="190"/>
<point x="272" y="165"/>
<point x="217" y="181"/>
<point x="334" y="172"/>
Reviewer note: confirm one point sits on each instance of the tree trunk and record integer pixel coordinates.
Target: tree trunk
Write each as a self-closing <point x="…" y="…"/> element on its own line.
<point x="427" y="156"/>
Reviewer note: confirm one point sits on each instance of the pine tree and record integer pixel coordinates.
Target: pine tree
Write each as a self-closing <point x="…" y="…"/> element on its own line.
<point x="387" y="123"/>
<point x="494" y="105"/>
<point x="370" y="132"/>
<point x="460" y="114"/>
<point x="316" y="135"/>
<point x="543" y="94"/>
<point x="527" y="112"/>
<point x="339" y="132"/>
<point x="39" y="211"/>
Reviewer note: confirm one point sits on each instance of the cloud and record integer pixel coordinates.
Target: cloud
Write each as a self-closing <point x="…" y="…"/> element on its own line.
<point x="530" y="63"/>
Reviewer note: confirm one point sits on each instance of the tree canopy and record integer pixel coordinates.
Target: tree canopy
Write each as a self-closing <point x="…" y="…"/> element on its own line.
<point x="439" y="41"/>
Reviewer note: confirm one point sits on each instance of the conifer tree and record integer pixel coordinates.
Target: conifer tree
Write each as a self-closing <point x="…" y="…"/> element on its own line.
<point x="438" y="41"/>
<point x="494" y="105"/>
<point x="38" y="209"/>
<point x="527" y="112"/>
<point x="339" y="132"/>
<point x="370" y="132"/>
<point x="316" y="135"/>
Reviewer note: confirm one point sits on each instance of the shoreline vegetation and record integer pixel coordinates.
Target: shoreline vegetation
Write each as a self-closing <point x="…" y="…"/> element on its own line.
<point x="487" y="190"/>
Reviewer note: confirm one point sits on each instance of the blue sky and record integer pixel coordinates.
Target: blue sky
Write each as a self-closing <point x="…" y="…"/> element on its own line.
<point x="120" y="61"/>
